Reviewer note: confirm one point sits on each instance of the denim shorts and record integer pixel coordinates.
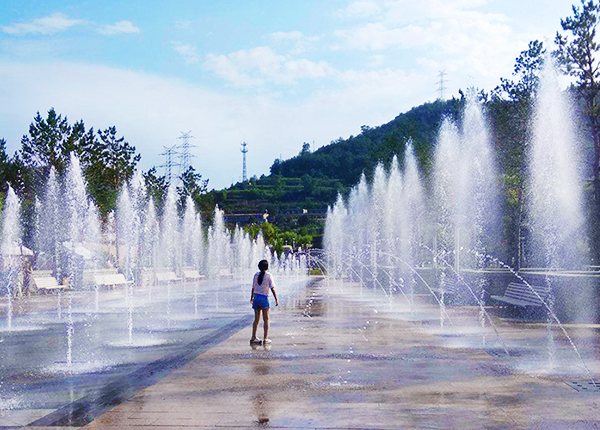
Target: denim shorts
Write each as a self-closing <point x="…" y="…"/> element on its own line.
<point x="260" y="302"/>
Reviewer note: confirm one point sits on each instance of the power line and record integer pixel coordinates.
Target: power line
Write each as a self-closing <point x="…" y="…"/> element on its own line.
<point x="441" y="86"/>
<point x="244" y="151"/>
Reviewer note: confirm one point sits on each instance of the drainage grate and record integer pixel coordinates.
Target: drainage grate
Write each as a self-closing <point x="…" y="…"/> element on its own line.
<point x="585" y="386"/>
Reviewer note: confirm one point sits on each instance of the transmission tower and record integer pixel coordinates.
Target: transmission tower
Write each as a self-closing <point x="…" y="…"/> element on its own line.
<point x="244" y="151"/>
<point x="170" y="163"/>
<point x="441" y="84"/>
<point x="185" y="156"/>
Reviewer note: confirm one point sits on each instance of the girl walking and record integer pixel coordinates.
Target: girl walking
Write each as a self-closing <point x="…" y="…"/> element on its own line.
<point x="262" y="284"/>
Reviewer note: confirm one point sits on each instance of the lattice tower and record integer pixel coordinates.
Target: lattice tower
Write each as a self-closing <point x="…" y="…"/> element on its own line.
<point x="170" y="163"/>
<point x="244" y="151"/>
<point x="185" y="156"/>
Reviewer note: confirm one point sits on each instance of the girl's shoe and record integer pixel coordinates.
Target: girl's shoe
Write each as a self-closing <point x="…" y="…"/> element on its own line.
<point x="267" y="341"/>
<point x="255" y="340"/>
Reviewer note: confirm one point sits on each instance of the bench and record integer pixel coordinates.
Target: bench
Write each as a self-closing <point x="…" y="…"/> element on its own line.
<point x="48" y="283"/>
<point x="450" y="287"/>
<point x="225" y="273"/>
<point x="169" y="276"/>
<point x="521" y="295"/>
<point x="192" y="275"/>
<point x="111" y="280"/>
<point x="41" y="273"/>
<point x="89" y="275"/>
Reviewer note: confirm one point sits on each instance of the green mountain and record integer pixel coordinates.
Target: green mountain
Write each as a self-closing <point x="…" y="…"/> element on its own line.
<point x="298" y="191"/>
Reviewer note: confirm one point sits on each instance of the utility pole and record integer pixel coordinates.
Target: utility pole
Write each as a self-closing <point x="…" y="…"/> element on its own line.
<point x="169" y="154"/>
<point x="185" y="155"/>
<point x="244" y="151"/>
<point x="441" y="84"/>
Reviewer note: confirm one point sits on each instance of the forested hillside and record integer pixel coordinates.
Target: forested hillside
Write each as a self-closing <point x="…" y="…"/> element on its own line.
<point x="346" y="159"/>
<point x="298" y="191"/>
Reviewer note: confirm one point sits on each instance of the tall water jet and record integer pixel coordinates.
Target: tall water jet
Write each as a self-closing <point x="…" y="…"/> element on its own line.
<point x="556" y="208"/>
<point x="128" y="226"/>
<point x="393" y="226"/>
<point x="414" y="219"/>
<point x="192" y="242"/>
<point x="219" y="246"/>
<point x="11" y="247"/>
<point x="49" y="228"/>
<point x="139" y="199"/>
<point x="151" y="243"/>
<point x="445" y="206"/>
<point x="445" y="197"/>
<point x="466" y="203"/>
<point x="358" y="218"/>
<point x="93" y="239"/>
<point x="170" y="240"/>
<point x="465" y="187"/>
<point x="478" y="195"/>
<point x="334" y="236"/>
<point x="76" y="205"/>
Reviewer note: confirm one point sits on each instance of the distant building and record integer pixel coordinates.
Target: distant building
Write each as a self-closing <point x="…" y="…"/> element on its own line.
<point x="259" y="217"/>
<point x="244" y="219"/>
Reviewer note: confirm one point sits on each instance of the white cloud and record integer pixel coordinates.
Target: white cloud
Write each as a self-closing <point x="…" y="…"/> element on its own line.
<point x="287" y="35"/>
<point x="294" y="36"/>
<point x="375" y="61"/>
<point x="360" y="9"/>
<point x="183" y="24"/>
<point x="188" y="52"/>
<point x="52" y="24"/>
<point x="298" y="41"/>
<point x="150" y="111"/>
<point x="119" y="27"/>
<point x="261" y="65"/>
<point x="376" y="36"/>
<point x="459" y="36"/>
<point x="402" y="11"/>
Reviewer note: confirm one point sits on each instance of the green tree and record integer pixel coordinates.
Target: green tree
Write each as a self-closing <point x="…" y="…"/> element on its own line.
<point x="50" y="141"/>
<point x="305" y="148"/>
<point x="7" y="169"/>
<point x="108" y="162"/>
<point x="511" y="108"/>
<point x="527" y="67"/>
<point x="276" y="167"/>
<point x="308" y="183"/>
<point x="156" y="185"/>
<point x="192" y="185"/>
<point x="579" y="58"/>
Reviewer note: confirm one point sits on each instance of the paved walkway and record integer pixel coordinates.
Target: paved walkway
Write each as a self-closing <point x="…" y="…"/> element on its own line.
<point x="336" y="362"/>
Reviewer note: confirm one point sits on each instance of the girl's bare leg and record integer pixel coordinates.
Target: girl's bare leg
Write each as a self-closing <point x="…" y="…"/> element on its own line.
<point x="255" y="324"/>
<point x="266" y="322"/>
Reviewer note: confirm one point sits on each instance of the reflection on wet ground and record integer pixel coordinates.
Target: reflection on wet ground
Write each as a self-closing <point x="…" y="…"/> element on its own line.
<point x="340" y="359"/>
<point x="348" y="358"/>
<point x="108" y="367"/>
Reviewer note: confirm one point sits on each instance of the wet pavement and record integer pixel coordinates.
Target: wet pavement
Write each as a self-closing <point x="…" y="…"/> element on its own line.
<point x="348" y="358"/>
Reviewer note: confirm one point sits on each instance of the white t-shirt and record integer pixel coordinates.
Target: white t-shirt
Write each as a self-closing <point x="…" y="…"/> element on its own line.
<point x="266" y="285"/>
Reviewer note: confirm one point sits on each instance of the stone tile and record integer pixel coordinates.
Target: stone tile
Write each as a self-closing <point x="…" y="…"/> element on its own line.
<point x="348" y="366"/>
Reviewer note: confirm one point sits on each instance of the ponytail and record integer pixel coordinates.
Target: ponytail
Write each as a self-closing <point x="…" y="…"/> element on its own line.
<point x="263" y="266"/>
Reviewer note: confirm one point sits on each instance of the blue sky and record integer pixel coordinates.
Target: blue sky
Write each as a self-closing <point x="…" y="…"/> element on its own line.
<point x="273" y="73"/>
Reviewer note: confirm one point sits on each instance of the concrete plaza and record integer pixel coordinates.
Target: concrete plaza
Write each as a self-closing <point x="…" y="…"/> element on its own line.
<point x="343" y="358"/>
